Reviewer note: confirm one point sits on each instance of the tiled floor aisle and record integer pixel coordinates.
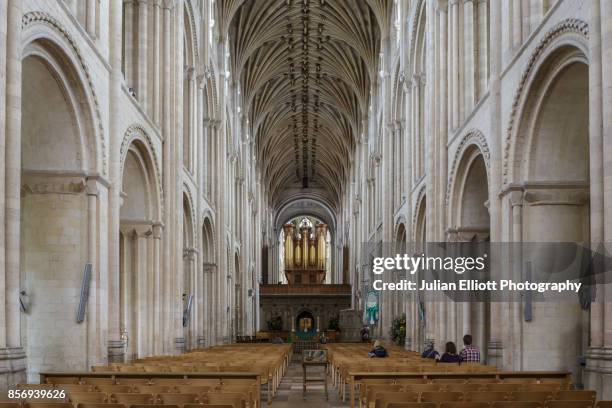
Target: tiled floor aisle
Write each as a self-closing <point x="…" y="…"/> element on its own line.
<point x="290" y="391"/>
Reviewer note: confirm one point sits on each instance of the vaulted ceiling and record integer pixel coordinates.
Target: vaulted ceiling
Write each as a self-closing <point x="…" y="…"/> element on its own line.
<point x="305" y="69"/>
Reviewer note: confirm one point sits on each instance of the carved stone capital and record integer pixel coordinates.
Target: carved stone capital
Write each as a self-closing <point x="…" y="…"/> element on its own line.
<point x="48" y="182"/>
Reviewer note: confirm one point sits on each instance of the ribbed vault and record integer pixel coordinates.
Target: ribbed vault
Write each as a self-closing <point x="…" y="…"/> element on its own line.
<point x="305" y="69"/>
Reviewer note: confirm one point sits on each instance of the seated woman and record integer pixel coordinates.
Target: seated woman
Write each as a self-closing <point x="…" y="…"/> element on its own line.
<point x="378" y="350"/>
<point x="450" y="354"/>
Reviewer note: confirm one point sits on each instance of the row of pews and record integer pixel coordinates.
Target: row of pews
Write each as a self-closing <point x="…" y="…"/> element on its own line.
<point x="230" y="376"/>
<point x="405" y="380"/>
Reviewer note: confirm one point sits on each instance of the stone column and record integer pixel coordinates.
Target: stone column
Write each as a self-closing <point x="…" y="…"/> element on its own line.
<point x="156" y="108"/>
<point x="470" y="55"/>
<point x="3" y="96"/>
<point x="517" y="23"/>
<point x="454" y="65"/>
<point x="12" y="161"/>
<point x="128" y="61"/>
<point x="494" y="352"/>
<point x="442" y="103"/>
<point x="158" y="344"/>
<point x="142" y="234"/>
<point x="12" y="356"/>
<point x="483" y="47"/>
<point x="167" y="110"/>
<point x="142" y="55"/>
<point x="90" y="24"/>
<point x="115" y="344"/>
<point x="599" y="357"/>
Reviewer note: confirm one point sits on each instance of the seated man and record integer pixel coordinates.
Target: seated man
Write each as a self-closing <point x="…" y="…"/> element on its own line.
<point x="470" y="353"/>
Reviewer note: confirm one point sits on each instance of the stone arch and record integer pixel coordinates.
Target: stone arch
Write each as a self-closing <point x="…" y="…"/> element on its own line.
<point x="548" y="167"/>
<point x="208" y="240"/>
<point x="139" y="244"/>
<point x="190" y="278"/>
<point x="138" y="141"/>
<point x="566" y="35"/>
<point x="468" y="190"/>
<point x="59" y="155"/>
<point x="419" y="222"/>
<point x="46" y="38"/>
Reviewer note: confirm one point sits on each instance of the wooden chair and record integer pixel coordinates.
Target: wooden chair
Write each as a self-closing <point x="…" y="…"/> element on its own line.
<point x="98" y="381"/>
<point x="114" y="388"/>
<point x="517" y="404"/>
<point x="206" y="382"/>
<point x="154" y="389"/>
<point x="63" y="380"/>
<point x="170" y="382"/>
<point x="467" y="387"/>
<point x="464" y="404"/>
<point x="487" y="396"/>
<point x="503" y="387"/>
<point x="539" y="396"/>
<point x="570" y="404"/>
<point x="35" y="386"/>
<point x="552" y="387"/>
<point x="449" y="380"/>
<point x="482" y="380"/>
<point x="577" y="395"/>
<point x="441" y="396"/>
<point x="133" y="382"/>
<point x="193" y="389"/>
<point x="75" y="387"/>
<point x="132" y="398"/>
<point x="371" y="391"/>
<point x="102" y="405"/>
<point x="410" y="381"/>
<point x="88" y="397"/>
<point x="422" y="387"/>
<point x="234" y="399"/>
<point x="383" y="399"/>
<point x="48" y="405"/>
<point x="152" y="406"/>
<point x="515" y="380"/>
<point x="178" y="399"/>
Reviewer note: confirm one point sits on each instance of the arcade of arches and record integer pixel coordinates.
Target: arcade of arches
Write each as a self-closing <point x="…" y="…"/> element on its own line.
<point x="183" y="147"/>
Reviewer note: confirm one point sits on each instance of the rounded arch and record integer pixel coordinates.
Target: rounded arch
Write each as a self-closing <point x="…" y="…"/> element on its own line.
<point x="138" y="142"/>
<point x="466" y="187"/>
<point x="46" y="38"/>
<point x="189" y="232"/>
<point x="400" y="236"/>
<point x="63" y="137"/>
<point x="555" y="109"/>
<point x="569" y="35"/>
<point x="300" y="205"/>
<point x="140" y="185"/>
<point x="419" y="222"/>
<point x="208" y="240"/>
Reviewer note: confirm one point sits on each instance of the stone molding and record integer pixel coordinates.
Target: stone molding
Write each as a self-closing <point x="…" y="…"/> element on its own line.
<point x="570" y="25"/>
<point x="473" y="137"/>
<point x="37" y="17"/>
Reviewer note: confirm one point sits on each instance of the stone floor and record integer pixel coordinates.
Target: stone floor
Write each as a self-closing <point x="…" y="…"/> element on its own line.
<point x="290" y="391"/>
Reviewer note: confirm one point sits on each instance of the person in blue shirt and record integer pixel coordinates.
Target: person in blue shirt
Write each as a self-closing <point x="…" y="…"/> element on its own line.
<point x="378" y="350"/>
<point x="430" y="352"/>
<point x="450" y="354"/>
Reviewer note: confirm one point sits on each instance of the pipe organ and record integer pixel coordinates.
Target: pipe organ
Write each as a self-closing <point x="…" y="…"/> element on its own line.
<point x="305" y="253"/>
